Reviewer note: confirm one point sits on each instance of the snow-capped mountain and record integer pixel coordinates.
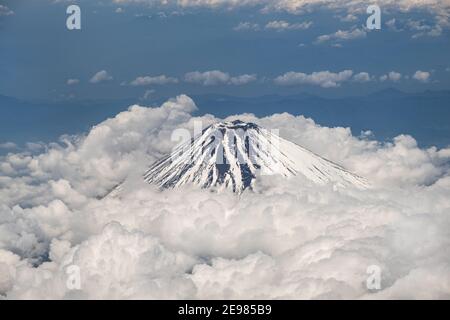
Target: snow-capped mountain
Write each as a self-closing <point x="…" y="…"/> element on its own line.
<point x="232" y="154"/>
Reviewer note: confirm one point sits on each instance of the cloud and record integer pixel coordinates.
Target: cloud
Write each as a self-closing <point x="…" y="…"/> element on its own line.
<point x="208" y="78"/>
<point x="350" y="17"/>
<point x="362" y="77"/>
<point x="216" y="77"/>
<point x="243" y="79"/>
<point x="392" y="25"/>
<point x="281" y="25"/>
<point x="148" y="80"/>
<point x="422" y="29"/>
<point x="246" y="26"/>
<point x="101" y="76"/>
<point x="5" y="11"/>
<point x="342" y="35"/>
<point x="324" y="79"/>
<point x="422" y="76"/>
<point x="71" y="82"/>
<point x="345" y="10"/>
<point x="426" y="27"/>
<point x="392" y="76"/>
<point x="8" y="145"/>
<point x="288" y="238"/>
<point x="276" y="25"/>
<point x="148" y="94"/>
<point x="296" y="6"/>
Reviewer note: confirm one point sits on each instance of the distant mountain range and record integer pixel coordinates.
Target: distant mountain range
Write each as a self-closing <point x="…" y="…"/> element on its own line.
<point x="24" y="121"/>
<point x="386" y="113"/>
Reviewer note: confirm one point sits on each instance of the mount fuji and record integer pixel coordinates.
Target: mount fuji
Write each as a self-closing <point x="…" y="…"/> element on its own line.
<point x="231" y="155"/>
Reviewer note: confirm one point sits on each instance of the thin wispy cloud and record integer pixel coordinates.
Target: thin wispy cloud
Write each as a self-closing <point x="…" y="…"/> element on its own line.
<point x="148" y="94"/>
<point x="392" y="25"/>
<point x="8" y="145"/>
<point x="247" y="26"/>
<point x="71" y="82"/>
<point x="342" y="35"/>
<point x="5" y="11"/>
<point x="423" y="29"/>
<point x="281" y="25"/>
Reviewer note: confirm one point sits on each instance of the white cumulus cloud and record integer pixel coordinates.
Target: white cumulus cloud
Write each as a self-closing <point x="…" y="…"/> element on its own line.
<point x="392" y="76"/>
<point x="362" y="77"/>
<point x="422" y="76"/>
<point x="288" y="238"/>
<point x="101" y="76"/>
<point x="324" y="79"/>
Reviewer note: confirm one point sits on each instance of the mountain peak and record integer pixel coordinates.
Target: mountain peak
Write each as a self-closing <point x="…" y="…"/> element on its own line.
<point x="235" y="125"/>
<point x="230" y="155"/>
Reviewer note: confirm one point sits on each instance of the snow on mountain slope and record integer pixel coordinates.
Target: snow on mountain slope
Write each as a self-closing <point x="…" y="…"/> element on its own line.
<point x="232" y="154"/>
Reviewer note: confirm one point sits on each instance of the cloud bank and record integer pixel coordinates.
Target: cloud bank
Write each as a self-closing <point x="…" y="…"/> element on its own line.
<point x="286" y="239"/>
<point x="348" y="11"/>
<point x="296" y="6"/>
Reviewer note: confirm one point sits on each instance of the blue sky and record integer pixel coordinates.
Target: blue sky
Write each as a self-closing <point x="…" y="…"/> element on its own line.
<point x="142" y="49"/>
